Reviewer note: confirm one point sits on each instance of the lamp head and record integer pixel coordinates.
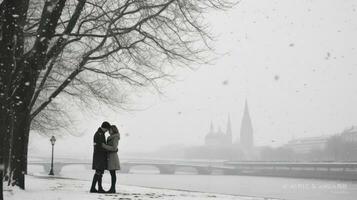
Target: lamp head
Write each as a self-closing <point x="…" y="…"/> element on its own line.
<point x="53" y="140"/>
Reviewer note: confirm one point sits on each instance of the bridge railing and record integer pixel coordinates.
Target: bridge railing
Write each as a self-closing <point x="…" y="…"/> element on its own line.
<point x="294" y="164"/>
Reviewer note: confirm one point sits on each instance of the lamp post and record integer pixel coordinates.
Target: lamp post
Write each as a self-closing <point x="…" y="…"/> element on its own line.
<point x="53" y="140"/>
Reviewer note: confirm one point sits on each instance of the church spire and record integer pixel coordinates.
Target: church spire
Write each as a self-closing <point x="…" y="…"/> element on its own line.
<point x="246" y="130"/>
<point x="246" y="108"/>
<point x="211" y="129"/>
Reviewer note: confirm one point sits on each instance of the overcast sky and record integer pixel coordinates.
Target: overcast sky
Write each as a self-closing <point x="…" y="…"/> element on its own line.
<point x="293" y="60"/>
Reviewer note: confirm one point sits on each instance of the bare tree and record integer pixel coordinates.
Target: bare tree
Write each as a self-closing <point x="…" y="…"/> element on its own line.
<point x="88" y="49"/>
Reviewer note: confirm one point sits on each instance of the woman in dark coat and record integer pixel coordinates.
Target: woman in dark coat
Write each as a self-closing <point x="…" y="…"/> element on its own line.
<point x="113" y="159"/>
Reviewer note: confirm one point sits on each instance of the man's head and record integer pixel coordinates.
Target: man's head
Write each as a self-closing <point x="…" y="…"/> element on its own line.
<point x="105" y="126"/>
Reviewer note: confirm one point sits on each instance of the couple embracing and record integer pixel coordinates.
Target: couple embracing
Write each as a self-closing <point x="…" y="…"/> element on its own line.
<point x="105" y="156"/>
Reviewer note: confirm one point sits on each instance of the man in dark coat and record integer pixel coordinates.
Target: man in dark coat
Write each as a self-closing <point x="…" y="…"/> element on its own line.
<point x="100" y="161"/>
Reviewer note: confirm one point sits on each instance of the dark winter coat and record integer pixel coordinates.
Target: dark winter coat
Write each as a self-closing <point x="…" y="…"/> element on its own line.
<point x="112" y="148"/>
<point x="100" y="160"/>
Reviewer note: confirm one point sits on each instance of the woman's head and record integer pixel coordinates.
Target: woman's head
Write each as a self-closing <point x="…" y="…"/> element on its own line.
<point x="113" y="130"/>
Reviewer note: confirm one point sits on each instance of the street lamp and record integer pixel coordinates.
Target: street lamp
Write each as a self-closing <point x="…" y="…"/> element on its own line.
<point x="53" y="140"/>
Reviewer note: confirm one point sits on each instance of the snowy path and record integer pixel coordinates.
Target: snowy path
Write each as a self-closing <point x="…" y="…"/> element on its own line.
<point x="45" y="188"/>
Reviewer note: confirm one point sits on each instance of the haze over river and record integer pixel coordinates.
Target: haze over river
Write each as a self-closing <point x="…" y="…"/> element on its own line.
<point x="284" y="188"/>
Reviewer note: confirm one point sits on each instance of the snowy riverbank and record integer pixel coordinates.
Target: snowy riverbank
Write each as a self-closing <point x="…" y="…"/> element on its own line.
<point x="48" y="188"/>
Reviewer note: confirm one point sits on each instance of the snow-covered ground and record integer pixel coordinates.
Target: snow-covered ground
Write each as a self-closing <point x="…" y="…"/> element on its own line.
<point x="49" y="188"/>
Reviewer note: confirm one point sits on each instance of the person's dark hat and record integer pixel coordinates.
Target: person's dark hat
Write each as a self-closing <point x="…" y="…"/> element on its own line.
<point x="105" y="125"/>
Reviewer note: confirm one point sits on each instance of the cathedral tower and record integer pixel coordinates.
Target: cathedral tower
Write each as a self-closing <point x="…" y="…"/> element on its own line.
<point x="246" y="130"/>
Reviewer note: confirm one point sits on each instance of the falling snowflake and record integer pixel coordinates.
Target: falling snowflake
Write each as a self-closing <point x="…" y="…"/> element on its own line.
<point x="51" y="7"/>
<point x="328" y="55"/>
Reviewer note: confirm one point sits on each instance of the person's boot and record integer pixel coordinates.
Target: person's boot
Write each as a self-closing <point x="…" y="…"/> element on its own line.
<point x="100" y="187"/>
<point x="114" y="180"/>
<point x="94" y="182"/>
<point x="111" y="190"/>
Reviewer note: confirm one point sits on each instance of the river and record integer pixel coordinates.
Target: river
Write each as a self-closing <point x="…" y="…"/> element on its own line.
<point x="283" y="188"/>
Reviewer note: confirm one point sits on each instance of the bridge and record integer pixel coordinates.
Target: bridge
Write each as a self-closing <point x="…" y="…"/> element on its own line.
<point x="164" y="167"/>
<point x="321" y="170"/>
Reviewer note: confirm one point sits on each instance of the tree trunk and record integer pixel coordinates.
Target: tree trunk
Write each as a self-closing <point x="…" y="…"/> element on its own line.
<point x="22" y="122"/>
<point x="14" y="108"/>
<point x="20" y="149"/>
<point x="1" y="183"/>
<point x="1" y="175"/>
<point x="7" y="53"/>
<point x="3" y="147"/>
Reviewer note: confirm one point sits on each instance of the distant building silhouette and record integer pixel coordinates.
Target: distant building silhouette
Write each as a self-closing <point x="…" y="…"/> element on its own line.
<point x="307" y="144"/>
<point x="219" y="141"/>
<point x="349" y="134"/>
<point x="246" y="131"/>
<point x="218" y="138"/>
